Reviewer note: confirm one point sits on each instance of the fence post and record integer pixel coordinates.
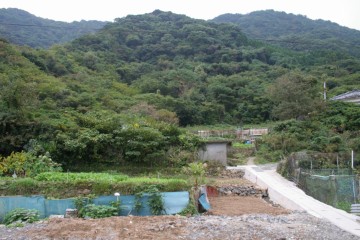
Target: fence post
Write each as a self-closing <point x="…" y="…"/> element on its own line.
<point x="334" y="189"/>
<point x="353" y="182"/>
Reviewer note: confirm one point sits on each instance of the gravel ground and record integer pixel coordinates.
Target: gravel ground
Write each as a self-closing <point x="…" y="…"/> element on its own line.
<point x="296" y="225"/>
<point x="262" y="226"/>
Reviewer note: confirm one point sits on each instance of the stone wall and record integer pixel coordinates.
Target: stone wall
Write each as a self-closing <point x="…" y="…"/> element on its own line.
<point x="236" y="190"/>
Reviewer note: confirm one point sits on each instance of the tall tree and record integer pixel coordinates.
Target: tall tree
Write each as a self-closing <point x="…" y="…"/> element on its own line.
<point x="295" y="95"/>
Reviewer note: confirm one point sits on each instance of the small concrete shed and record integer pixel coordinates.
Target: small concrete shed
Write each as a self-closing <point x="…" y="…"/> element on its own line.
<point x="215" y="151"/>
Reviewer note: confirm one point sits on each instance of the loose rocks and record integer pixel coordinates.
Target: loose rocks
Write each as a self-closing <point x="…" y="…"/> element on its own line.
<point x="238" y="190"/>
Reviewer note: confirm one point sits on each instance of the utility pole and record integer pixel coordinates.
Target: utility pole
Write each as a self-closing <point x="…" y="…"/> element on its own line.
<point x="324" y="91"/>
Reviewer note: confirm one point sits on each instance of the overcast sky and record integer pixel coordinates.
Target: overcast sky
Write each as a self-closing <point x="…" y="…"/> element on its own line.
<point x="343" y="12"/>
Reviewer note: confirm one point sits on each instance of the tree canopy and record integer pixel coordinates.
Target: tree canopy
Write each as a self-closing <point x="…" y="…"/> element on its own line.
<point x="120" y="95"/>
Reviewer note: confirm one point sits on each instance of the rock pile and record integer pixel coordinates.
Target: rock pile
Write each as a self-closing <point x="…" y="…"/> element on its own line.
<point x="238" y="190"/>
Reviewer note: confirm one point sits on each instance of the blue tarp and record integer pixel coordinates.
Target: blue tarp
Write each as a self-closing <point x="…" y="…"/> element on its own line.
<point x="204" y="202"/>
<point x="175" y="202"/>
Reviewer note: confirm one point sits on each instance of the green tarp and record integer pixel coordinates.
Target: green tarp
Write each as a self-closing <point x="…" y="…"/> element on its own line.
<point x="175" y="202"/>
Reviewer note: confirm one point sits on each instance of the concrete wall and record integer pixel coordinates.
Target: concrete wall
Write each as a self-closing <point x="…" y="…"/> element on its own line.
<point x="214" y="151"/>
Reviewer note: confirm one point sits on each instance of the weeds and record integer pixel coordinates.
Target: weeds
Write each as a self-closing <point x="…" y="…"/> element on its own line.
<point x="21" y="216"/>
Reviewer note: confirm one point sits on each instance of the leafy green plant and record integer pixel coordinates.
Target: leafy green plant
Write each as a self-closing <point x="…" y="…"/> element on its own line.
<point x="137" y="203"/>
<point x="99" y="211"/>
<point x="189" y="210"/>
<point x="346" y="206"/>
<point x="25" y="164"/>
<point x="22" y="186"/>
<point x="81" y="202"/>
<point x="62" y="187"/>
<point x="80" y="177"/>
<point x="196" y="172"/>
<point x="242" y="145"/>
<point x="21" y="215"/>
<point x="86" y="208"/>
<point x="155" y="200"/>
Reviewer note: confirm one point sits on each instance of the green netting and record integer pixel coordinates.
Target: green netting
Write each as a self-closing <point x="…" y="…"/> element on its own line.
<point x="174" y="202"/>
<point x="330" y="189"/>
<point x="328" y="172"/>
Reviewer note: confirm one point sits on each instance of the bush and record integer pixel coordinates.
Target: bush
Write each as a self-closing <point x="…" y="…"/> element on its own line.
<point x="25" y="164"/>
<point x="22" y="186"/>
<point x="344" y="206"/>
<point x="189" y="210"/>
<point x="196" y="172"/>
<point x="155" y="200"/>
<point x="21" y="215"/>
<point x="99" y="211"/>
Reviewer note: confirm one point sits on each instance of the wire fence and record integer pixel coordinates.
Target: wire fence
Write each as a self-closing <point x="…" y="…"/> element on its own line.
<point x="331" y="186"/>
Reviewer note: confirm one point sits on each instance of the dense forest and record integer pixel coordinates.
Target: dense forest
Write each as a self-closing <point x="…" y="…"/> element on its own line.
<point x="23" y="28"/>
<point x="123" y="94"/>
<point x="295" y="32"/>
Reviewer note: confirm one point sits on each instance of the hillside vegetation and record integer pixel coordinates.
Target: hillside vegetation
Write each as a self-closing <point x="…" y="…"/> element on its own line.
<point x="295" y="32"/>
<point x="22" y="28"/>
<point x="120" y="95"/>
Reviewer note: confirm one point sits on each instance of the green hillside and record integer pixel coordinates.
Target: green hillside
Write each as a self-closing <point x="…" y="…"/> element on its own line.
<point x="295" y="32"/>
<point x="120" y="95"/>
<point x="22" y="28"/>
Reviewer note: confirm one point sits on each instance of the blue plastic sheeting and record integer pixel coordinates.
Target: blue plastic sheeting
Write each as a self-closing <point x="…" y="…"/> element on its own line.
<point x="204" y="202"/>
<point x="174" y="202"/>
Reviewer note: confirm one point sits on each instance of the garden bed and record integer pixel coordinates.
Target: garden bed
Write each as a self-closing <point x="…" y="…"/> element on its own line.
<point x="67" y="185"/>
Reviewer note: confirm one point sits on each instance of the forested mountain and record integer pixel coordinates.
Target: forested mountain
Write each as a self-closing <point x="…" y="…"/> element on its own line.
<point x="119" y="94"/>
<point x="22" y="28"/>
<point x="296" y="32"/>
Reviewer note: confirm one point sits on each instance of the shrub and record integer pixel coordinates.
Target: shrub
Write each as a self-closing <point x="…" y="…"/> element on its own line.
<point x="81" y="202"/>
<point x="155" y="200"/>
<point x="22" y="186"/>
<point x="196" y="171"/>
<point x="99" y="211"/>
<point x="344" y="206"/>
<point x="27" y="165"/>
<point x="189" y="210"/>
<point x="21" y="215"/>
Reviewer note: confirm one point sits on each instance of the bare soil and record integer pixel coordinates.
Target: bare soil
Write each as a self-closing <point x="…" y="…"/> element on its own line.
<point x="134" y="227"/>
<point x="227" y="222"/>
<point x="235" y="206"/>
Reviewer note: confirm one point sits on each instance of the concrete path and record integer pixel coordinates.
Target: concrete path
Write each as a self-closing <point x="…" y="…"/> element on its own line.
<point x="286" y="193"/>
